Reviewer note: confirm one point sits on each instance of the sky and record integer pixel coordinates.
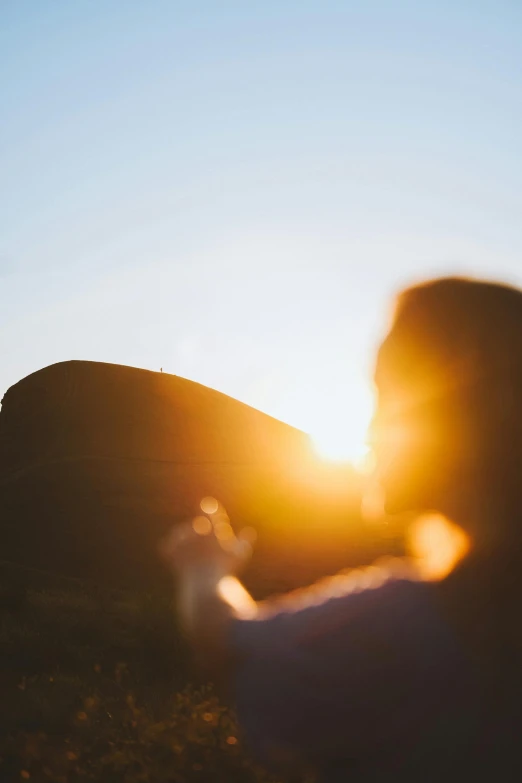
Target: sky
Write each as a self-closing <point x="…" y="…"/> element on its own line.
<point x="234" y="191"/>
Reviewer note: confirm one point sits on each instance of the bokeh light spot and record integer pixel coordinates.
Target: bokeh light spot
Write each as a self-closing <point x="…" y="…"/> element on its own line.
<point x="437" y="545"/>
<point x="209" y="505"/>
<point x="223" y="531"/>
<point x="202" y="526"/>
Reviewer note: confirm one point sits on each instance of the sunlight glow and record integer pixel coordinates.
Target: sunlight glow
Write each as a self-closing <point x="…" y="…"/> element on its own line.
<point x="437" y="545"/>
<point x="209" y="505"/>
<point x="202" y="526"/>
<point x="234" y="594"/>
<point x="340" y="434"/>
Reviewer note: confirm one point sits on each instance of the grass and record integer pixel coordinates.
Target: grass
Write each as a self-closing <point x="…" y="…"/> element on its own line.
<point x="97" y="686"/>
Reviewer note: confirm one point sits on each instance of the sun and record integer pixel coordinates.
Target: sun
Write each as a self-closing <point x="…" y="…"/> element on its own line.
<point x="340" y="431"/>
<point x="342" y="442"/>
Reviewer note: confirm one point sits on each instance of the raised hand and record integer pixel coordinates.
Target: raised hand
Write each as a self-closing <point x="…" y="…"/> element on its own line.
<point x="207" y="544"/>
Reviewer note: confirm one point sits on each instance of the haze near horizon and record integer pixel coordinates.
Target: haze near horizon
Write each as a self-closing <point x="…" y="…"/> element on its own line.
<point x="234" y="192"/>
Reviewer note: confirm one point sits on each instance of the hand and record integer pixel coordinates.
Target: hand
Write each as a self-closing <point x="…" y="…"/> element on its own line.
<point x="205" y="555"/>
<point x="207" y="544"/>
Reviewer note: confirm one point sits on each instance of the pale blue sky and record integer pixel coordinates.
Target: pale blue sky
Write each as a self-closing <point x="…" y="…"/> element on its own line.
<point x="234" y="190"/>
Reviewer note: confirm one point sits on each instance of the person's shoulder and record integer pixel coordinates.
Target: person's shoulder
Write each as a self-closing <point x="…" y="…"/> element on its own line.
<point x="382" y="583"/>
<point x="379" y="599"/>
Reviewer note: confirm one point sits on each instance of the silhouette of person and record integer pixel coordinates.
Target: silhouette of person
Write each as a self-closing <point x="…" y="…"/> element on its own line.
<point x="392" y="676"/>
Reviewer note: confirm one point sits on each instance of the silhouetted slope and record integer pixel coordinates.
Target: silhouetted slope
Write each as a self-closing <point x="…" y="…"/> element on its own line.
<point x="97" y="460"/>
<point x="89" y="409"/>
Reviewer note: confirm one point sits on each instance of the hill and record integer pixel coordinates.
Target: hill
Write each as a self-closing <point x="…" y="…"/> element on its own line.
<point x="97" y="461"/>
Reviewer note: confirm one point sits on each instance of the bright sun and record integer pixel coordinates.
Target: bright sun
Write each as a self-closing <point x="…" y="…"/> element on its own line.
<point x="340" y="432"/>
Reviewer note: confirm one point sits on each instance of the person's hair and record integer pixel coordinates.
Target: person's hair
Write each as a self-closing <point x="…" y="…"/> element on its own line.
<point x="467" y="334"/>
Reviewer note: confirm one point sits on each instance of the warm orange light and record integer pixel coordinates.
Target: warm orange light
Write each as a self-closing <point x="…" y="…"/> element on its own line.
<point x="209" y="505"/>
<point x="223" y="531"/>
<point x="340" y="430"/>
<point x="249" y="534"/>
<point x="437" y="545"/>
<point x="234" y="594"/>
<point x="202" y="526"/>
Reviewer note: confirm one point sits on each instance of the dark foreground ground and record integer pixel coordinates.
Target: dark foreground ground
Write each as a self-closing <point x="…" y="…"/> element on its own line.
<point x="97" y="685"/>
<point x="96" y="682"/>
<point x="97" y="463"/>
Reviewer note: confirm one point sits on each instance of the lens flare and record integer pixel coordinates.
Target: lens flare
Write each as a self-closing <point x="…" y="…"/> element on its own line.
<point x="209" y="505"/>
<point x="234" y="594"/>
<point x="223" y="531"/>
<point x="340" y="431"/>
<point x="437" y="545"/>
<point x="202" y="526"/>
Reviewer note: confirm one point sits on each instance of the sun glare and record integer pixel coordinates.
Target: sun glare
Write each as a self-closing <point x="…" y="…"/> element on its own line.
<point x="437" y="545"/>
<point x="340" y="434"/>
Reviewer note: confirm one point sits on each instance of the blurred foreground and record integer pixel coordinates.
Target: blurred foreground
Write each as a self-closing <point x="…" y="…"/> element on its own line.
<point x="97" y="462"/>
<point x="95" y="686"/>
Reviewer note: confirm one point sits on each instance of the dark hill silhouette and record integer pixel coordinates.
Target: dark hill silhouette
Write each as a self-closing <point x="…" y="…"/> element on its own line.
<point x="98" y="460"/>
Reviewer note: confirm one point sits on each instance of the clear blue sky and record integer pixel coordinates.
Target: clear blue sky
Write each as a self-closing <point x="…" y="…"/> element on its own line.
<point x="234" y="190"/>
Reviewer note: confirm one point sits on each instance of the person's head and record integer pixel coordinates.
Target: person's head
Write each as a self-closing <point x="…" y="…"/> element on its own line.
<point x="447" y="434"/>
